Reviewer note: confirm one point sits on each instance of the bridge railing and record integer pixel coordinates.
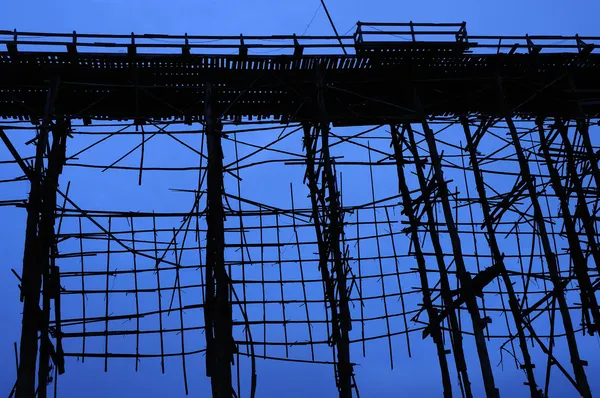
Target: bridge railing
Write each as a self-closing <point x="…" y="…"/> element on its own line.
<point x="182" y="44"/>
<point x="368" y="35"/>
<point x="534" y="44"/>
<point x="383" y="32"/>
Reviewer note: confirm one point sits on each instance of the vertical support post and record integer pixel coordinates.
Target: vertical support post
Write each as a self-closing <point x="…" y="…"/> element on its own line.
<point x="217" y="309"/>
<point x="36" y="263"/>
<point x="462" y="274"/>
<point x="107" y="293"/>
<point x="137" y="300"/>
<point x="588" y="297"/>
<point x="317" y="202"/>
<point x="48" y="251"/>
<point x="328" y="228"/>
<point x="414" y="234"/>
<point x="32" y="282"/>
<point x="498" y="256"/>
<point x="454" y="321"/>
<point x="83" y="298"/>
<point x="586" y="218"/>
<point x="580" y="376"/>
<point x="345" y="372"/>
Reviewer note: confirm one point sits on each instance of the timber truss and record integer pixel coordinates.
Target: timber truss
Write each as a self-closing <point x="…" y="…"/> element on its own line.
<point x="409" y="184"/>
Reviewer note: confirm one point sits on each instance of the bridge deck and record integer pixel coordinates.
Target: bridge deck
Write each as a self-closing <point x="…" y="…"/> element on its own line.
<point x="376" y="84"/>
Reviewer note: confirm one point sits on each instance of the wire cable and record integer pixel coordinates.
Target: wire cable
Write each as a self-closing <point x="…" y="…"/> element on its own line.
<point x="333" y="26"/>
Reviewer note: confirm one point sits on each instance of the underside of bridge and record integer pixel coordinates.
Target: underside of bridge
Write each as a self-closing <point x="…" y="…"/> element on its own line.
<point x="420" y="187"/>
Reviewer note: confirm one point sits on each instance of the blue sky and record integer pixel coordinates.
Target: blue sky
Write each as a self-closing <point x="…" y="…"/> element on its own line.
<point x="412" y="377"/>
<point x="273" y="17"/>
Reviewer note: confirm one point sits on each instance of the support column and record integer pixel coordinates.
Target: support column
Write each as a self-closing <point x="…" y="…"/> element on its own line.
<point x="217" y="307"/>
<point x="47" y="251"/>
<point x="408" y="210"/>
<point x="588" y="296"/>
<point x="445" y="290"/>
<point x="585" y="216"/>
<point x="553" y="269"/>
<point x="468" y="292"/>
<point x="328" y="220"/>
<point x="498" y="256"/>
<point x="36" y="260"/>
